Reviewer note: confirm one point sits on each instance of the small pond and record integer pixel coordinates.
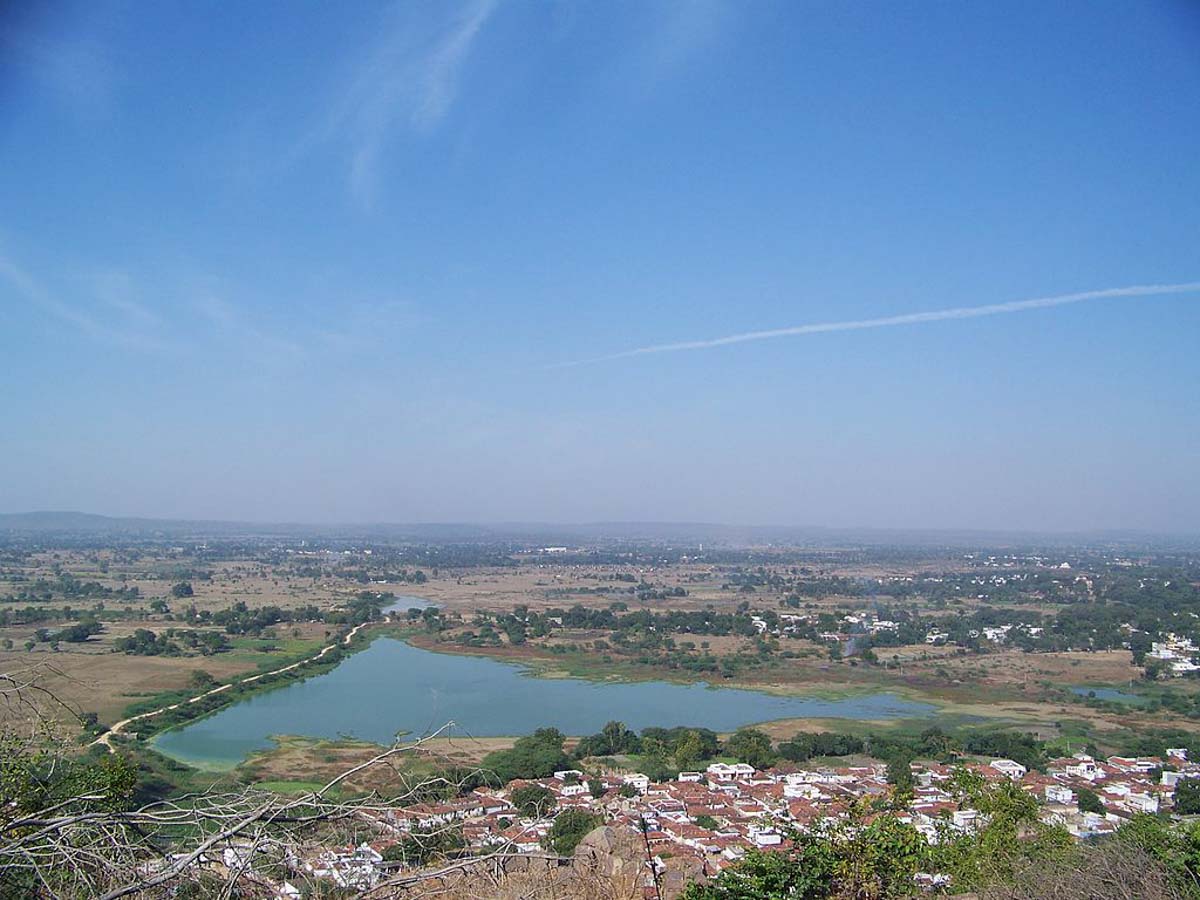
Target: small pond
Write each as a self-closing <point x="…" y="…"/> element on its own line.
<point x="1107" y="693"/>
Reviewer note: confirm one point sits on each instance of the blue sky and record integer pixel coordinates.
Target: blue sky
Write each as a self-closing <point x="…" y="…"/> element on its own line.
<point x="326" y="262"/>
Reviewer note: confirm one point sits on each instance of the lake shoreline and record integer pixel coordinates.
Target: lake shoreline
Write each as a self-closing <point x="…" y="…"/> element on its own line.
<point x="487" y="697"/>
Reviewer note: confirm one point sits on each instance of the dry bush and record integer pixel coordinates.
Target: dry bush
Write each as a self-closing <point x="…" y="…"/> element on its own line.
<point x="609" y="864"/>
<point x="1107" y="871"/>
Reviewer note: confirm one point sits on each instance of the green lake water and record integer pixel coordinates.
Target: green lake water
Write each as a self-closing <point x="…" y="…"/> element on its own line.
<point x="393" y="687"/>
<point x="1107" y="693"/>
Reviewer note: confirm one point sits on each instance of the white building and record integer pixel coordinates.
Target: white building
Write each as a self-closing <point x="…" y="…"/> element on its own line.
<point x="1085" y="767"/>
<point x="639" y="782"/>
<point x="1008" y="767"/>
<point x="729" y="771"/>
<point x="1059" y="793"/>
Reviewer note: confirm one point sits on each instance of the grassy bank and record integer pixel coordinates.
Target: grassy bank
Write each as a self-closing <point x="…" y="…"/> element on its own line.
<point x="189" y="709"/>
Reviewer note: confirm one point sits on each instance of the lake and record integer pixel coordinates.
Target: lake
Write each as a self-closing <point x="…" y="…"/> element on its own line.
<point x="1106" y="693"/>
<point x="394" y="687"/>
<point x="404" y="602"/>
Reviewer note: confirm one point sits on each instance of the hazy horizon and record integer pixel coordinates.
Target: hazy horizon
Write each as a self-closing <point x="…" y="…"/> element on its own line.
<point x="769" y="532"/>
<point x="846" y="266"/>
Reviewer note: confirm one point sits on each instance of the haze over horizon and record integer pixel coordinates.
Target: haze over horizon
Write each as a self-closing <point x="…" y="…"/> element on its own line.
<point x="800" y="264"/>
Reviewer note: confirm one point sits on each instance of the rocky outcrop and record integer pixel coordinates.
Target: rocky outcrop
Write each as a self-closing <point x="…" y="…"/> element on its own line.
<point x="618" y="855"/>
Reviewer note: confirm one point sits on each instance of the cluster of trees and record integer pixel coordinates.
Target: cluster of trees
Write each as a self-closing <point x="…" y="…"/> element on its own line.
<point x="874" y="854"/>
<point x="667" y="751"/>
<point x="431" y="617"/>
<point x="1012" y="856"/>
<point x="242" y="619"/>
<point x="805" y="746"/>
<point x="404" y="576"/>
<point x="658" y="747"/>
<point x="144" y="642"/>
<point x="648" y="638"/>
<point x="79" y="632"/>
<point x="30" y="615"/>
<point x="68" y="587"/>
<point x="932" y="743"/>
<point x="72" y="634"/>
<point x="542" y="753"/>
<point x="538" y="755"/>
<point x="623" y="625"/>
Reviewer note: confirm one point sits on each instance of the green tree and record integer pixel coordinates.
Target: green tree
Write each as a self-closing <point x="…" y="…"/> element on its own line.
<point x="1089" y="801"/>
<point x="1012" y="834"/>
<point x="617" y="737"/>
<point x="751" y="746"/>
<point x="805" y="873"/>
<point x="688" y="752"/>
<point x="1187" y="796"/>
<point x="538" y="755"/>
<point x="848" y="859"/>
<point x="1155" y="668"/>
<point x="569" y="828"/>
<point x="533" y="800"/>
<point x="653" y="763"/>
<point x="201" y="680"/>
<point x="1139" y="646"/>
<point x="899" y="776"/>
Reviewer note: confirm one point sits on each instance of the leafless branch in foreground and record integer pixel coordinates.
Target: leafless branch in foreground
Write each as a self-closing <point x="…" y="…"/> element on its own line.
<point x="68" y="830"/>
<point x="64" y="831"/>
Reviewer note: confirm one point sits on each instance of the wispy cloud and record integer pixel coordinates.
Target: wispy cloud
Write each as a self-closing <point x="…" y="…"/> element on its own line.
<point x="117" y="321"/>
<point x="235" y="330"/>
<point x="406" y="82"/>
<point x="919" y="318"/>
<point x="193" y="314"/>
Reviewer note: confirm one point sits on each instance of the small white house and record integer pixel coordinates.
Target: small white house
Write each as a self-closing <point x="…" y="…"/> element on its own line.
<point x="965" y="819"/>
<point x="1008" y="768"/>
<point x="640" y="782"/>
<point x="1141" y="802"/>
<point x="729" y="771"/>
<point x="1059" y="793"/>
<point x="1083" y="767"/>
<point x="764" y="837"/>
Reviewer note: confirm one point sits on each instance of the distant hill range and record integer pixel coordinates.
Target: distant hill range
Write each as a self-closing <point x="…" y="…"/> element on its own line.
<point x="89" y="525"/>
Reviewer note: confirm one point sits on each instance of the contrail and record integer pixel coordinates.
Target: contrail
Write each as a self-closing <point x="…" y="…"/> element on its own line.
<point x="938" y="315"/>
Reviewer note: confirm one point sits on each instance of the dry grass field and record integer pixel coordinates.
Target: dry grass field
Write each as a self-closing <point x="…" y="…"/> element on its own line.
<point x="1002" y="685"/>
<point x="91" y="677"/>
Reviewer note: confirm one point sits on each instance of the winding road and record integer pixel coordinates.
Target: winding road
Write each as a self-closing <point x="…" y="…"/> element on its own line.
<point x="106" y="738"/>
